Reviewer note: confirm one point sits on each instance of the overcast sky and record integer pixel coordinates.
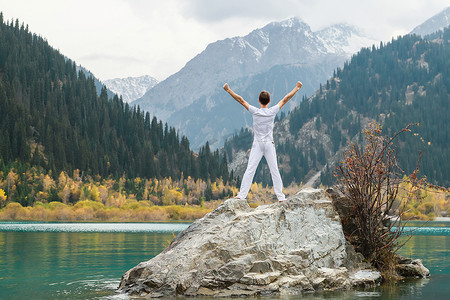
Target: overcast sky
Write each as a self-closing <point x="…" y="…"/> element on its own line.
<point x="121" y="38"/>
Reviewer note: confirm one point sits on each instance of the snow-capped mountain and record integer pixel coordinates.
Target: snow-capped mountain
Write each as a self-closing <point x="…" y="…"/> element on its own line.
<point x="433" y="24"/>
<point x="131" y="88"/>
<point x="193" y="101"/>
<point x="343" y="38"/>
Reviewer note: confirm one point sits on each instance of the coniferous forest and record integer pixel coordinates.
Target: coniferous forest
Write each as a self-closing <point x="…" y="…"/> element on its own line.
<point x="52" y="120"/>
<point x="403" y="81"/>
<point x="62" y="141"/>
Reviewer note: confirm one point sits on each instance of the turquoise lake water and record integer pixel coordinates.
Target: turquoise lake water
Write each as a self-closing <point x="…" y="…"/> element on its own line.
<point x="87" y="260"/>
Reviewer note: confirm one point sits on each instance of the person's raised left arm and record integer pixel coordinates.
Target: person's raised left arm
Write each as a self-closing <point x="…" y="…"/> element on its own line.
<point x="235" y="96"/>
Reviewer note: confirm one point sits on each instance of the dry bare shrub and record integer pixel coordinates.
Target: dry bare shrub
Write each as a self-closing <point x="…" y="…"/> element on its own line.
<point x="84" y="213"/>
<point x="39" y="213"/>
<point x="101" y="215"/>
<point x="370" y="177"/>
<point x="192" y="213"/>
<point x="23" y="214"/>
<point x="154" y="213"/>
<point x="63" y="214"/>
<point x="130" y="204"/>
<point x="113" y="214"/>
<point x="11" y="211"/>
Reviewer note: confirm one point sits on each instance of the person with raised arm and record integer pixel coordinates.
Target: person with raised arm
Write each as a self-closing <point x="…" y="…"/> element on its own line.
<point x="263" y="144"/>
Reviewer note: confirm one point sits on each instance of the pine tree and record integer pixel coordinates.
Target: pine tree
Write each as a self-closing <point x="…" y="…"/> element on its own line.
<point x="47" y="103"/>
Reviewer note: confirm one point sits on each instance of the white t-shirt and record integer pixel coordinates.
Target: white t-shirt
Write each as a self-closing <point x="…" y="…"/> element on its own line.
<point x="263" y="121"/>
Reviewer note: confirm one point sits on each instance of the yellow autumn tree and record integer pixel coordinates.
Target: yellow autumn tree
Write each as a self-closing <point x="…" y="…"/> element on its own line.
<point x="64" y="194"/>
<point x="47" y="183"/>
<point x="94" y="193"/>
<point x="62" y="180"/>
<point x="171" y="196"/>
<point x="3" y="198"/>
<point x="11" y="180"/>
<point x="103" y="193"/>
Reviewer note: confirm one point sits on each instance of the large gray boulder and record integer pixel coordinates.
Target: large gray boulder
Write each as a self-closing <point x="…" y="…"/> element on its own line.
<point x="282" y="248"/>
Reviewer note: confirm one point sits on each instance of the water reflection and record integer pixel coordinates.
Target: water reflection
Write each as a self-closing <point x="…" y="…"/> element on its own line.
<point x="433" y="250"/>
<point x="88" y="265"/>
<point x="52" y="264"/>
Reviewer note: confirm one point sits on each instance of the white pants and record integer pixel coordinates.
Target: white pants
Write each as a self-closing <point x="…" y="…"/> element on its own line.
<point x="258" y="150"/>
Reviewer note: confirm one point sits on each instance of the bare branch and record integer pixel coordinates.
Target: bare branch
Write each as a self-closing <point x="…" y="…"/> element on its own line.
<point x="370" y="177"/>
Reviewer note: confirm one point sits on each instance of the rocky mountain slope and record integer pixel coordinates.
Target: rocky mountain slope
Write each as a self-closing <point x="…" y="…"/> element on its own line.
<point x="131" y="88"/>
<point x="401" y="82"/>
<point x="273" y="57"/>
<point x="435" y="23"/>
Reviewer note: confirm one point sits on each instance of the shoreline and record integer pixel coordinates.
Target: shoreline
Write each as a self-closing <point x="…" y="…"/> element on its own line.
<point x="441" y="219"/>
<point x="88" y="211"/>
<point x="438" y="219"/>
<point x="98" y="222"/>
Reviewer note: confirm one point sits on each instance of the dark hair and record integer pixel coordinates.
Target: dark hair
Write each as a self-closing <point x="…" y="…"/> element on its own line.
<point x="264" y="97"/>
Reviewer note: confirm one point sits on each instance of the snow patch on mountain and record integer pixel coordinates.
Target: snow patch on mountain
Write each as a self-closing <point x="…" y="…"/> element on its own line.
<point x="244" y="62"/>
<point x="131" y="88"/>
<point x="433" y="24"/>
<point x="344" y="38"/>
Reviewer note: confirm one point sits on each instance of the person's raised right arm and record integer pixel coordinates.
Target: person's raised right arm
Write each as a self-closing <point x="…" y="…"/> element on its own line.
<point x="290" y="94"/>
<point x="235" y="96"/>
